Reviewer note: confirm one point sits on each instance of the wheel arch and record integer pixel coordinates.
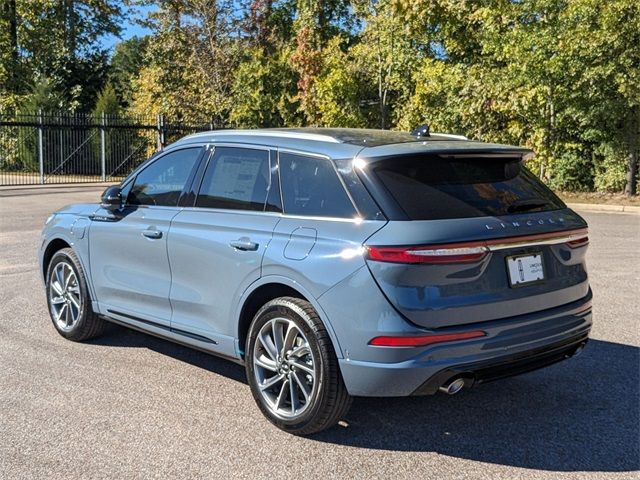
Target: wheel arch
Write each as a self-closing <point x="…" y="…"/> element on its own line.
<point x="56" y="244"/>
<point x="269" y="288"/>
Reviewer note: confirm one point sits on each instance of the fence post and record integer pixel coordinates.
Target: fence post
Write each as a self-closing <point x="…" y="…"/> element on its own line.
<point x="40" y="147"/>
<point x="160" y="132"/>
<point x="103" y="149"/>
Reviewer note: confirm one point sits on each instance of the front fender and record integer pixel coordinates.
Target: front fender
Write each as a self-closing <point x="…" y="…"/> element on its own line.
<point x="73" y="230"/>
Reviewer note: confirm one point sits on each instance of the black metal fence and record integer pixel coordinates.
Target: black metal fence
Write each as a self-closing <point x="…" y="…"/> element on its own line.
<point x="39" y="148"/>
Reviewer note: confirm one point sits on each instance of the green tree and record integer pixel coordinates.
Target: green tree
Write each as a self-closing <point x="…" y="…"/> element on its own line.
<point x="128" y="59"/>
<point x="107" y="102"/>
<point x="190" y="61"/>
<point x="600" y="46"/>
<point x="264" y="91"/>
<point x="59" y="41"/>
<point x="9" y="49"/>
<point x="560" y="77"/>
<point x="44" y="96"/>
<point x="307" y="57"/>
<point x="105" y="111"/>
<point x="386" y="55"/>
<point x="337" y="88"/>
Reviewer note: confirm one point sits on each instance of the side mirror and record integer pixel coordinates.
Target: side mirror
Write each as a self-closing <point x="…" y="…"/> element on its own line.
<point x="111" y="199"/>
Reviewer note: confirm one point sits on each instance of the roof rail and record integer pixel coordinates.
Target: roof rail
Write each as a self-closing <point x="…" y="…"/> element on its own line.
<point x="451" y="135"/>
<point x="270" y="133"/>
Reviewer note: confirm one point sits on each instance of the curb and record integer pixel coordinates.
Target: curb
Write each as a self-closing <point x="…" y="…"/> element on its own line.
<point x="594" y="207"/>
<point x="27" y="190"/>
<point x="37" y="186"/>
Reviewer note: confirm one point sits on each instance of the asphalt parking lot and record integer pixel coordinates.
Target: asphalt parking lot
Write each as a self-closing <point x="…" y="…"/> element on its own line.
<point x="132" y="406"/>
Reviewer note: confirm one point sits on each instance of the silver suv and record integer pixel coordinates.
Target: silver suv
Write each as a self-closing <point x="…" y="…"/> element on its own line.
<point x="330" y="262"/>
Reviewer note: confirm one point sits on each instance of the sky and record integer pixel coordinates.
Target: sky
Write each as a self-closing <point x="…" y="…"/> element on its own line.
<point x="129" y="27"/>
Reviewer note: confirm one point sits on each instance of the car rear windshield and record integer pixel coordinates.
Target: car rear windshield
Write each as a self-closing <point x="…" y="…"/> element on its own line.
<point x="430" y="187"/>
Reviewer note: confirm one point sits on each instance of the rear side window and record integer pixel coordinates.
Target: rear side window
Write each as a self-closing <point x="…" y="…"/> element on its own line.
<point x="311" y="187"/>
<point x="432" y="187"/>
<point x="162" y="182"/>
<point x="236" y="178"/>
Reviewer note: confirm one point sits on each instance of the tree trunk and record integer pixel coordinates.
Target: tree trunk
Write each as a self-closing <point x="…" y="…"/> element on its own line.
<point x="265" y="30"/>
<point x="630" y="188"/>
<point x="13" y="42"/>
<point x="70" y="27"/>
<point x="383" y="110"/>
<point x="549" y="139"/>
<point x="381" y="104"/>
<point x="13" y="30"/>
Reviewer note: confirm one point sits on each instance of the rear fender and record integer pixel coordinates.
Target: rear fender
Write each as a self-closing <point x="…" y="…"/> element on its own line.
<point x="271" y="279"/>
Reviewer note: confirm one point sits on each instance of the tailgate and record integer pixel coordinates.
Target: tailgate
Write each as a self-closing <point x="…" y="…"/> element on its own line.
<point x="476" y="287"/>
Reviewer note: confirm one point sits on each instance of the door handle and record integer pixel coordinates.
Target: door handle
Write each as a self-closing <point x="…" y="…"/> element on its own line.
<point x="244" y="244"/>
<point x="153" y="234"/>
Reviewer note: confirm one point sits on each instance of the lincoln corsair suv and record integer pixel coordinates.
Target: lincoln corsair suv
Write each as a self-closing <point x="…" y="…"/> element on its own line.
<point x="331" y="263"/>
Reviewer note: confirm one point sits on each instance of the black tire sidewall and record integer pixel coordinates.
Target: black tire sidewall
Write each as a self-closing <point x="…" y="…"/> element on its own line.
<point x="284" y="309"/>
<point x="69" y="257"/>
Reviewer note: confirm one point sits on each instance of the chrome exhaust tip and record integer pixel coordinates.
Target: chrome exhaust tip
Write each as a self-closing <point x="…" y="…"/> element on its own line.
<point x="578" y="350"/>
<point x="452" y="387"/>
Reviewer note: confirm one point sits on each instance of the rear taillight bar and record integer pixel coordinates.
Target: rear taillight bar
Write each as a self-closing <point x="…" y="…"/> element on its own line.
<point x="472" y="251"/>
<point x="435" y="254"/>
<point x="579" y="242"/>
<point x="423" y="340"/>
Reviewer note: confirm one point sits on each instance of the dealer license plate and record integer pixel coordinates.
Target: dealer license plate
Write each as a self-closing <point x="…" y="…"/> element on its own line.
<point x="525" y="269"/>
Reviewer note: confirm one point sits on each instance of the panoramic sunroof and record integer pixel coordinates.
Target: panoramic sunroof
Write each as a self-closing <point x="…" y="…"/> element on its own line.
<point x="368" y="138"/>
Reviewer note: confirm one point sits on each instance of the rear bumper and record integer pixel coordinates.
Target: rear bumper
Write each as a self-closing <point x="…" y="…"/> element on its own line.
<point x="512" y="346"/>
<point x="504" y="367"/>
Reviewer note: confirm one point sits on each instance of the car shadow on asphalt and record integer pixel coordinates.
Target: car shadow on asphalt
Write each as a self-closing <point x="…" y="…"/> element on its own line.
<point x="117" y="336"/>
<point x="580" y="415"/>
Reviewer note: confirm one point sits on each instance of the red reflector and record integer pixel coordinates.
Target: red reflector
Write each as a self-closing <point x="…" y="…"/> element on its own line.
<point x="459" y="253"/>
<point x="580" y="242"/>
<point x="423" y="340"/>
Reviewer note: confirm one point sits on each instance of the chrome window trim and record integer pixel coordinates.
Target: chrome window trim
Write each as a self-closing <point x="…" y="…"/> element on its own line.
<point x="532" y="243"/>
<point x="274" y="214"/>
<point x="294" y="151"/>
<point x="332" y="219"/>
<point x="239" y="145"/>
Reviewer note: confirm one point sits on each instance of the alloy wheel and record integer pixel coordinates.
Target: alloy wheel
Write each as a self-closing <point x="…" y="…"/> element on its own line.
<point x="285" y="368"/>
<point x="65" y="299"/>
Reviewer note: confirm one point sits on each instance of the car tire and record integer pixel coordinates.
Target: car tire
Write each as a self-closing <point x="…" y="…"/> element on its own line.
<point x="68" y="298"/>
<point x="294" y="374"/>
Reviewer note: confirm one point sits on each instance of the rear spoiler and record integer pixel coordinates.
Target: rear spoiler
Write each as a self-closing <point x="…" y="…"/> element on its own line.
<point x="523" y="153"/>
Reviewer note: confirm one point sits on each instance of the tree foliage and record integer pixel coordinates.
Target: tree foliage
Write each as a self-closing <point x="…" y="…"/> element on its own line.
<point x="561" y="77"/>
<point x="58" y="42"/>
